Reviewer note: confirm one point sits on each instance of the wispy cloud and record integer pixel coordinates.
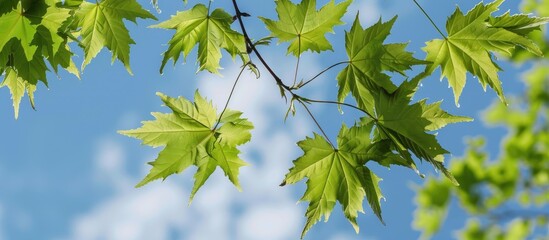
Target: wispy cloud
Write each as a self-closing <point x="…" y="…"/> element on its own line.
<point x="372" y="10"/>
<point x="369" y="12"/>
<point x="110" y="163"/>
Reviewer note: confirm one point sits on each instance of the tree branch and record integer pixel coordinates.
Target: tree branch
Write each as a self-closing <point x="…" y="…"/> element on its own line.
<point x="254" y="49"/>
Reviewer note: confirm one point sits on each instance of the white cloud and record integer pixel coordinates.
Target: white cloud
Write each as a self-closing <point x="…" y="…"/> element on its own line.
<point x="147" y="213"/>
<point x="269" y="222"/>
<point x="110" y="162"/>
<point x="159" y="210"/>
<point x="372" y="10"/>
<point x="369" y="12"/>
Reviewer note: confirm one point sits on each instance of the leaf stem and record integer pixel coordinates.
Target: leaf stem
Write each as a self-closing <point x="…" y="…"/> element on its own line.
<point x="316" y="122"/>
<point x="209" y="5"/>
<point x="430" y="20"/>
<point x="297" y="64"/>
<point x="230" y="96"/>
<point x="322" y="72"/>
<point x="343" y="104"/>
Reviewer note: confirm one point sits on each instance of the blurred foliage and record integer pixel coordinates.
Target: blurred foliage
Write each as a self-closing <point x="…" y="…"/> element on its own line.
<point x="506" y="197"/>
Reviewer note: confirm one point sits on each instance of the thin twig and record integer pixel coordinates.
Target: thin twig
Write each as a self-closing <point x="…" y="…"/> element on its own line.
<point x="230" y="96"/>
<point x="343" y="104"/>
<point x="317" y="124"/>
<point x="297" y="64"/>
<point x="322" y="72"/>
<point x="431" y="20"/>
<point x="254" y="49"/>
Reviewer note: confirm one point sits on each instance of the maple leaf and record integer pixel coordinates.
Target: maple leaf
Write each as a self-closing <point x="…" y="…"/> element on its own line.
<point x="471" y="40"/>
<point x="397" y="59"/>
<point x="521" y="24"/>
<point x="368" y="58"/>
<point x="102" y="26"/>
<point x="21" y="74"/>
<point x="7" y="6"/>
<point x="63" y="58"/>
<point x="406" y="124"/>
<point x="191" y="136"/>
<point x="15" y="24"/>
<point x="210" y="31"/>
<point x="51" y="23"/>
<point x="17" y="87"/>
<point x="336" y="175"/>
<point x="305" y="27"/>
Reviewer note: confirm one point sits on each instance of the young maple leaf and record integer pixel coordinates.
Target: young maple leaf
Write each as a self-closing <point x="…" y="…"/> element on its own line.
<point x="303" y="26"/>
<point x="211" y="32"/>
<point x="17" y="86"/>
<point x="102" y="26"/>
<point x="407" y="125"/>
<point x="336" y="175"/>
<point x="368" y="59"/>
<point x="471" y="40"/>
<point x="193" y="136"/>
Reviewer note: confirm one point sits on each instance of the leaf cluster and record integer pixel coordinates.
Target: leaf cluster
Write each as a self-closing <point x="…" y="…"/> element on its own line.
<point x="37" y="37"/>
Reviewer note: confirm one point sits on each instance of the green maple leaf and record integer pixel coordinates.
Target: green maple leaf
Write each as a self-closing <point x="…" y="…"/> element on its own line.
<point x="20" y="73"/>
<point x="471" y="40"/>
<point x="32" y="70"/>
<point x="7" y="6"/>
<point x="368" y="58"/>
<point x="211" y="32"/>
<point x="35" y="25"/>
<point x="63" y="58"/>
<point x="520" y="24"/>
<point x="51" y="24"/>
<point x="102" y="26"/>
<point x="336" y="175"/>
<point x="437" y="117"/>
<point x="17" y="87"/>
<point x="192" y="136"/>
<point x="305" y="27"/>
<point x="406" y="124"/>
<point x="15" y="24"/>
<point x="397" y="59"/>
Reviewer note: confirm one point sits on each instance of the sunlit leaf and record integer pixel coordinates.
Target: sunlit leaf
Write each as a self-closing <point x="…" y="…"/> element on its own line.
<point x="102" y="26"/>
<point x="471" y="41"/>
<point x="210" y="31"/>
<point x="336" y="175"/>
<point x="190" y="137"/>
<point x="305" y="27"/>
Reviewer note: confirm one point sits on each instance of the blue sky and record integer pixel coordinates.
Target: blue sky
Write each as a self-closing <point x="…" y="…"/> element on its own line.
<point x="66" y="174"/>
